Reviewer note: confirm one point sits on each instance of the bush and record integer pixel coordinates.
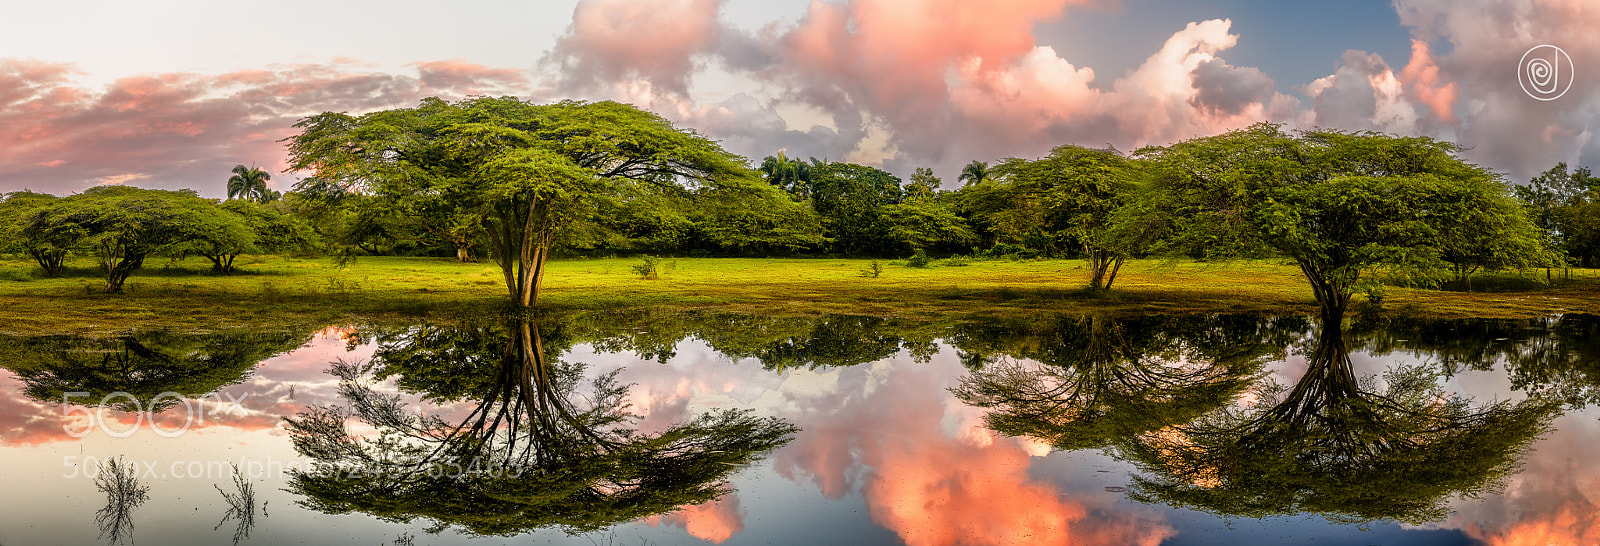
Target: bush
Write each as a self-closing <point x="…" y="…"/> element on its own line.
<point x="1010" y="252"/>
<point x="872" y="270"/>
<point x="920" y="260"/>
<point x="648" y="269"/>
<point x="18" y="276"/>
<point x="1375" y="295"/>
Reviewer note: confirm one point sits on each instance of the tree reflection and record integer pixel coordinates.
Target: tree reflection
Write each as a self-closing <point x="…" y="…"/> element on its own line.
<point x="1350" y="449"/>
<point x="1094" y="379"/>
<point x="527" y="455"/>
<point x="1555" y="357"/>
<point x="119" y="480"/>
<point x="143" y="364"/>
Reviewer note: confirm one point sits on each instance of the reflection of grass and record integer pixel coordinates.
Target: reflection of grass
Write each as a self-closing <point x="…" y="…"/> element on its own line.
<point x="185" y="295"/>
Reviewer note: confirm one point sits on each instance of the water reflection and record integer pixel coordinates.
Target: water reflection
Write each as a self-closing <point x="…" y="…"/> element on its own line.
<point x="1555" y="357"/>
<point x="900" y="427"/>
<point x="1347" y="448"/>
<point x="145" y="365"/>
<point x="531" y="452"/>
<point x="1086" y="382"/>
<point x="119" y="481"/>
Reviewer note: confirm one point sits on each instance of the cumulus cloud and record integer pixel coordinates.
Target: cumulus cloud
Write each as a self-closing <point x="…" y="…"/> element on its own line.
<point x="939" y="82"/>
<point x="1363" y="94"/>
<point x="615" y="40"/>
<point x="1469" y="93"/>
<point x="1228" y="90"/>
<point x="187" y="130"/>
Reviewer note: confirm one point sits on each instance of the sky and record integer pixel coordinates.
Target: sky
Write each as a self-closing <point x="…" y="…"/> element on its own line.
<point x="174" y="93"/>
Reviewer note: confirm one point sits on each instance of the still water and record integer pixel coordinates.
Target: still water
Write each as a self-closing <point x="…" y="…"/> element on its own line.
<point x="690" y="428"/>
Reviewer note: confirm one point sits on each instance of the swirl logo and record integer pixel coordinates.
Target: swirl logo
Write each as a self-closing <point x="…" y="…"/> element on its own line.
<point x="1545" y="72"/>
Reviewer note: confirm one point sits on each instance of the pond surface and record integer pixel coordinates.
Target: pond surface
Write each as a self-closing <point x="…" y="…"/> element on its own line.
<point x="688" y="428"/>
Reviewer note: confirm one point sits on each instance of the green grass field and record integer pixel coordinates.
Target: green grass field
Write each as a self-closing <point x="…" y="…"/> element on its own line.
<point x="267" y="290"/>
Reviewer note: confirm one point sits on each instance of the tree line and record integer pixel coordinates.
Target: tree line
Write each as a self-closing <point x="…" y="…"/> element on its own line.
<point x="516" y="182"/>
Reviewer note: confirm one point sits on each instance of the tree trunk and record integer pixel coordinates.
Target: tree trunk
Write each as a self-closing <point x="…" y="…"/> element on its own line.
<point x="49" y="260"/>
<point x="119" y="272"/>
<point x="1115" y="267"/>
<point x="1332" y="296"/>
<point x="1103" y="265"/>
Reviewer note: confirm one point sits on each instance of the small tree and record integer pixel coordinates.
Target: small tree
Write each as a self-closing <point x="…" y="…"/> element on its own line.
<point x="924" y="222"/>
<point x="125" y="225"/>
<point x="48" y="250"/>
<point x="743" y="215"/>
<point x="1058" y="202"/>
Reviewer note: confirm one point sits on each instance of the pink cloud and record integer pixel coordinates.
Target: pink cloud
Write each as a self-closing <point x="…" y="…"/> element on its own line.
<point x="1422" y="75"/>
<point x="942" y="82"/>
<point x="24" y="421"/>
<point x="715" y="521"/>
<point x="188" y="130"/>
<point x="654" y="41"/>
<point x="936" y="486"/>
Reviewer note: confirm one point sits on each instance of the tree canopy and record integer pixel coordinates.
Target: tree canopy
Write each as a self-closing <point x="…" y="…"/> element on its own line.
<point x="514" y="171"/>
<point x="124" y="225"/>
<point x="1062" y="203"/>
<point x="1345" y="207"/>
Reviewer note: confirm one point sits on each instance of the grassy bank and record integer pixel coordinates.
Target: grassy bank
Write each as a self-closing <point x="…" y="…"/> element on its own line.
<point x="272" y="290"/>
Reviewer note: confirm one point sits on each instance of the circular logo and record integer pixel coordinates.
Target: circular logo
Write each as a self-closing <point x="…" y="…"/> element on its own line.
<point x="1545" y="72"/>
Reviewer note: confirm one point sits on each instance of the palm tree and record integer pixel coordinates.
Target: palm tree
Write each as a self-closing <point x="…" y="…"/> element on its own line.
<point x="793" y="175"/>
<point x="250" y="183"/>
<point x="974" y="173"/>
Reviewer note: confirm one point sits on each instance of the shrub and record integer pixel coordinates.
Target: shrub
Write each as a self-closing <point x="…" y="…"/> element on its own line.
<point x="872" y="270"/>
<point x="648" y="269"/>
<point x="1009" y="252"/>
<point x="919" y="260"/>
<point x="958" y="261"/>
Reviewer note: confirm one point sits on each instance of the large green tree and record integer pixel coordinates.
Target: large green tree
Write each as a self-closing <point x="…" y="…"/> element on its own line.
<point x="513" y="171"/>
<point x="1565" y="203"/>
<point x="1347" y="208"/>
<point x="850" y="199"/>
